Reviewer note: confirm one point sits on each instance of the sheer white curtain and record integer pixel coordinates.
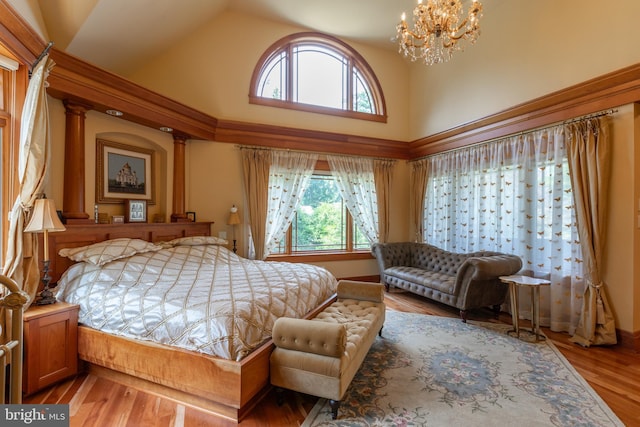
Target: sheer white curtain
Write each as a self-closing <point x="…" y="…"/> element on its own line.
<point x="289" y="176"/>
<point x="356" y="181"/>
<point x="513" y="196"/>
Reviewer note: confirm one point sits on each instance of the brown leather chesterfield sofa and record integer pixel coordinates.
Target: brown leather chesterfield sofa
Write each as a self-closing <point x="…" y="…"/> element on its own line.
<point x="465" y="281"/>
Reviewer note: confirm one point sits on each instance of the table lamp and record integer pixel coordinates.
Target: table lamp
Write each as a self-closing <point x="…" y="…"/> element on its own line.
<point x="44" y="219"/>
<point x="234" y="219"/>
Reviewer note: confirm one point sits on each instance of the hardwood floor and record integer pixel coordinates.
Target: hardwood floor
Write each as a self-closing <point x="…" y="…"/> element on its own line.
<point x="612" y="372"/>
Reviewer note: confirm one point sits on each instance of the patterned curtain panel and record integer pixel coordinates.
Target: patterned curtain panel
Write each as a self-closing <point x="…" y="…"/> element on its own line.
<point x="289" y="177"/>
<point x="356" y="181"/>
<point x="513" y="196"/>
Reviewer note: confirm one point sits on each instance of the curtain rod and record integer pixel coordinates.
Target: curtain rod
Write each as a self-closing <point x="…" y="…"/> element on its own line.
<point x="39" y="58"/>
<point x="324" y="153"/>
<point x="525" y="132"/>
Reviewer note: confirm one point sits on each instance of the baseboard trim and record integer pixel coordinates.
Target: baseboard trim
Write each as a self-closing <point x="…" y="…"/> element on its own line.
<point x="629" y="340"/>
<point x="375" y="278"/>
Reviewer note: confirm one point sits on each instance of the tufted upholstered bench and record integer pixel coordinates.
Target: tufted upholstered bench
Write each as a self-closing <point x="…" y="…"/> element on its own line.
<point x="320" y="356"/>
<point x="465" y="281"/>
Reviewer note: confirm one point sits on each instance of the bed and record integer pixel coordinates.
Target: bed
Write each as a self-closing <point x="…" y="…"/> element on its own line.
<point x="226" y="374"/>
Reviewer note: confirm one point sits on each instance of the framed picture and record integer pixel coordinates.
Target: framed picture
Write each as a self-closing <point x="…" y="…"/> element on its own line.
<point x="117" y="219"/>
<point x="135" y="210"/>
<point x="191" y="216"/>
<point x="123" y="172"/>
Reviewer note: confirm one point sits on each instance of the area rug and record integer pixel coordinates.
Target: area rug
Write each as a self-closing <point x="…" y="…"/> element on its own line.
<point x="436" y="371"/>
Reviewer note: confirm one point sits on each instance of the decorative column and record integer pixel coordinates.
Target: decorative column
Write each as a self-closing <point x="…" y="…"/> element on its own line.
<point x="74" y="178"/>
<point x="179" y="143"/>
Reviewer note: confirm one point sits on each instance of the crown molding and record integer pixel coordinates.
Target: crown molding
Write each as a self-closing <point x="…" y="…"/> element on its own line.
<point x="608" y="91"/>
<point x="74" y="80"/>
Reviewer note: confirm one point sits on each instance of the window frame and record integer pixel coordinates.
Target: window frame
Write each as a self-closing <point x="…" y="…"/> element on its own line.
<point x="354" y="60"/>
<point x="322" y="167"/>
<point x="13" y="93"/>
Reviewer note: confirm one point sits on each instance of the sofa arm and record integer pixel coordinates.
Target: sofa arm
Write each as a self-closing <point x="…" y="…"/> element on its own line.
<point x="490" y="267"/>
<point x="310" y="336"/>
<point x="363" y="291"/>
<point x="391" y="254"/>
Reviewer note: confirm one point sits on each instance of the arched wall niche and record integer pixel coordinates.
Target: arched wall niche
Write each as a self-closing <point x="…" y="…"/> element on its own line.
<point x="162" y="171"/>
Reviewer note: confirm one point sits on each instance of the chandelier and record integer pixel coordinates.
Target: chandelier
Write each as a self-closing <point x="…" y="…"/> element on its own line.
<point x="437" y="30"/>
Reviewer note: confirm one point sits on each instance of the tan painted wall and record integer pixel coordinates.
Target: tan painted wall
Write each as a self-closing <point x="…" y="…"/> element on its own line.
<point x="621" y="251"/>
<point x="98" y="125"/>
<point x="530" y="49"/>
<point x="215" y="183"/>
<point x="217" y="81"/>
<point x="527" y="49"/>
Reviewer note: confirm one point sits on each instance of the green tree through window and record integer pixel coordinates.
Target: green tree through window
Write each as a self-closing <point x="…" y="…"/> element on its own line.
<point x="322" y="221"/>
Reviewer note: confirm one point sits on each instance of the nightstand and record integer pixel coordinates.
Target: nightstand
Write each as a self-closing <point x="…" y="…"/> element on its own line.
<point x="50" y="345"/>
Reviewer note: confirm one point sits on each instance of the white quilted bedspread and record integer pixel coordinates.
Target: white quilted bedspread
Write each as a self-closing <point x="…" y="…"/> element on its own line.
<point x="201" y="298"/>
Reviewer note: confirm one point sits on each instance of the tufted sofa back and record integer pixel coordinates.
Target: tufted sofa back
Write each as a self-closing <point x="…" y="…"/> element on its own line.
<point x="422" y="255"/>
<point x="436" y="260"/>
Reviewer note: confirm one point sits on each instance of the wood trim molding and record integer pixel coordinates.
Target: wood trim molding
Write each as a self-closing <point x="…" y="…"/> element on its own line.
<point x="18" y="36"/>
<point x="80" y="82"/>
<point x="308" y="140"/>
<point x="629" y="340"/>
<point x="75" y="80"/>
<point x="608" y="91"/>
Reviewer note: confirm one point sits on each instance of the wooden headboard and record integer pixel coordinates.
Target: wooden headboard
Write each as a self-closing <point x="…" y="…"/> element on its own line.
<point x="78" y="235"/>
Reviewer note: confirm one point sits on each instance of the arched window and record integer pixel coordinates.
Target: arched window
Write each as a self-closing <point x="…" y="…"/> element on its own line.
<point x="317" y="73"/>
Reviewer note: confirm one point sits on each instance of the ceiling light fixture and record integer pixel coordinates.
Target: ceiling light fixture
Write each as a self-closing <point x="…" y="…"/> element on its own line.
<point x="114" y="113"/>
<point x="437" y="30"/>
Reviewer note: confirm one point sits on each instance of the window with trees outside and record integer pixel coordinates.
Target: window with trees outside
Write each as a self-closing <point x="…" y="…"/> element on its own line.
<point x="317" y="73"/>
<point x="322" y="222"/>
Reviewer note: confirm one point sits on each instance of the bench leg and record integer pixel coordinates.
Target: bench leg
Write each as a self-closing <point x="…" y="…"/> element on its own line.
<point x="496" y="311"/>
<point x="334" y="404"/>
<point x="380" y="331"/>
<point x="463" y="315"/>
<point x="279" y="396"/>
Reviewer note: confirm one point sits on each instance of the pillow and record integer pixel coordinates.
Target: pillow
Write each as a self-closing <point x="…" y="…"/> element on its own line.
<point x="197" y="240"/>
<point x="109" y="250"/>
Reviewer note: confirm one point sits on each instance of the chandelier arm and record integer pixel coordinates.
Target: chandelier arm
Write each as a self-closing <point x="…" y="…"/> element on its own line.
<point x="462" y="25"/>
<point x="413" y="35"/>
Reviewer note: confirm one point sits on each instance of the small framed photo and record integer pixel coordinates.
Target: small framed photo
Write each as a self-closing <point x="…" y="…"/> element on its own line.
<point x="117" y="219"/>
<point x="135" y="210"/>
<point x="191" y="216"/>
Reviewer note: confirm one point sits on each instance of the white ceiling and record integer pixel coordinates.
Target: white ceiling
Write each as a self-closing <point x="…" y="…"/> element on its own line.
<point x="89" y="29"/>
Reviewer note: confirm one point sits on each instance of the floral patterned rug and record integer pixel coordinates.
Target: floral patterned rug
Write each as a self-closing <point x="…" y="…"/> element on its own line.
<point x="435" y="371"/>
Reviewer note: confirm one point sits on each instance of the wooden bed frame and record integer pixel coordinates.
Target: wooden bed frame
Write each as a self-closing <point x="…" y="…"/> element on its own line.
<point x="226" y="388"/>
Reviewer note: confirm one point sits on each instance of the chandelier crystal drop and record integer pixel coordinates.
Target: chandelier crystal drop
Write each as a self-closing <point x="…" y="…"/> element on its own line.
<point x="437" y="30"/>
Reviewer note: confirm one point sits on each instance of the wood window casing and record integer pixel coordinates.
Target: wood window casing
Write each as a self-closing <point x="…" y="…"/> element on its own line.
<point x="330" y="255"/>
<point x="355" y="62"/>
<point x="13" y="87"/>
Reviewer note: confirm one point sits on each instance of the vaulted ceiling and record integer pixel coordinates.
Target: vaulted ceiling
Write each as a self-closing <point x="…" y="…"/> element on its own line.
<point x="88" y="29"/>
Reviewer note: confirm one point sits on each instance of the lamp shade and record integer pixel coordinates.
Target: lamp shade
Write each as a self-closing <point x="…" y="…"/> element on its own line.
<point x="234" y="217"/>
<point x="44" y="218"/>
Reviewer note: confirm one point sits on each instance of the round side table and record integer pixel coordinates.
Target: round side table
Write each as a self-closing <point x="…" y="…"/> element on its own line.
<point x="515" y="283"/>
